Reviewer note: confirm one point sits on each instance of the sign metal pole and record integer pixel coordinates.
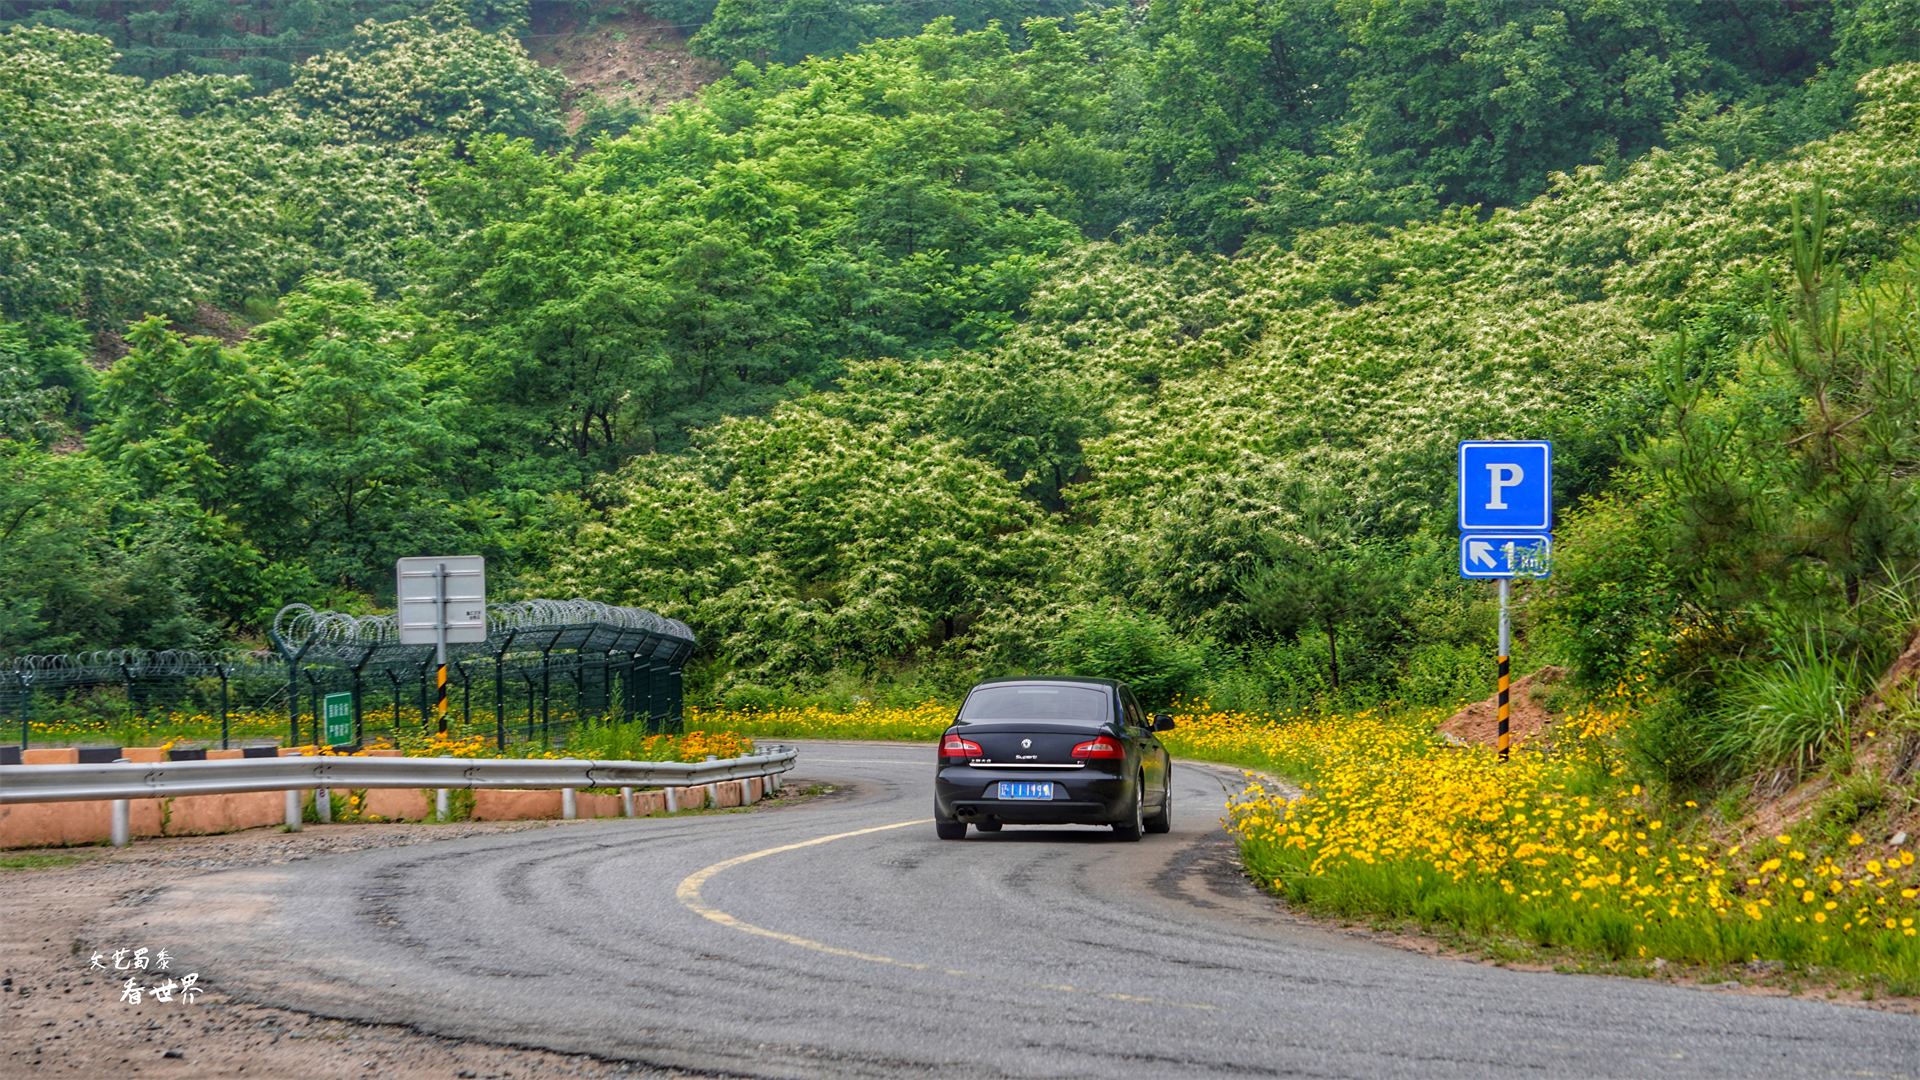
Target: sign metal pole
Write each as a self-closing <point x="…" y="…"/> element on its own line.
<point x="1506" y="521"/>
<point x="1506" y="655"/>
<point x="440" y="645"/>
<point x="442" y="602"/>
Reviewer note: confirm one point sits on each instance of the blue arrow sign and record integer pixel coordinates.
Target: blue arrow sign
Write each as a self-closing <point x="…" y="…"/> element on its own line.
<point x="1506" y="486"/>
<point x="1510" y="554"/>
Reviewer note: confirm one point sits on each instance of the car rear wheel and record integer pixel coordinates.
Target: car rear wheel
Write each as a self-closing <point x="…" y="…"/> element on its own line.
<point x="1130" y="829"/>
<point x="950" y="830"/>
<point x="1162" y="821"/>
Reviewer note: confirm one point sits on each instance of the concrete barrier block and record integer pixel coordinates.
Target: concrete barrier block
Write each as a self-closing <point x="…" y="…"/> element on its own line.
<point x="386" y="752"/>
<point x="587" y="804"/>
<point x="66" y="755"/>
<point x="730" y="793"/>
<point x="143" y="754"/>
<point x="398" y="804"/>
<point x="491" y="804"/>
<point x="649" y="802"/>
<point x="54" y="824"/>
<point x="192" y="815"/>
<point x="226" y="755"/>
<point x="143" y="817"/>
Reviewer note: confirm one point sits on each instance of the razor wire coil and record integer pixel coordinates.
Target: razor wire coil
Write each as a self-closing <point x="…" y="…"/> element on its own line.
<point x="328" y="638"/>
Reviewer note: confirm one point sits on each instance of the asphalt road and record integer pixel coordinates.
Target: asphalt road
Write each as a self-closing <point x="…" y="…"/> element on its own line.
<point x="820" y="941"/>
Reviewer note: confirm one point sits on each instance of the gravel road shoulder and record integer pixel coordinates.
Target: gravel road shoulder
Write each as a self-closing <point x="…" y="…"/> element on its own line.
<point x="59" y="1017"/>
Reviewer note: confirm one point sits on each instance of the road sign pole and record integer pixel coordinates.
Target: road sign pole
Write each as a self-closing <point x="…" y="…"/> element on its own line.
<point x="442" y="601"/>
<point x="1506" y="518"/>
<point x="1506" y="654"/>
<point x="440" y="645"/>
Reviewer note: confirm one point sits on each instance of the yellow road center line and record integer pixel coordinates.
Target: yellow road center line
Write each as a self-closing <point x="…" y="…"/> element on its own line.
<point x="688" y="893"/>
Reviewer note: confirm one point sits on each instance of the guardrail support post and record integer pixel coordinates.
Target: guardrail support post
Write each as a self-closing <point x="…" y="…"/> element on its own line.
<point x="441" y="810"/>
<point x="626" y="802"/>
<point x="569" y="806"/>
<point x="673" y="800"/>
<point x="323" y="805"/>
<point x="294" y="824"/>
<point x="122" y="811"/>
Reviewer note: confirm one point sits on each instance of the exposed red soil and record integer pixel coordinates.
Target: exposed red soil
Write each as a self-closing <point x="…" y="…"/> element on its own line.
<point x="1527" y="712"/>
<point x="1897" y="685"/>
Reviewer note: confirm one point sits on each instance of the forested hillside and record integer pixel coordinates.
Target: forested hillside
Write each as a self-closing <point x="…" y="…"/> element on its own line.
<point x="1123" y="339"/>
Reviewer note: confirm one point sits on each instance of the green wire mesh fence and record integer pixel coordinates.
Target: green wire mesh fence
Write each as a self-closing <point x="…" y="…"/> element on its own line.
<point x="546" y="665"/>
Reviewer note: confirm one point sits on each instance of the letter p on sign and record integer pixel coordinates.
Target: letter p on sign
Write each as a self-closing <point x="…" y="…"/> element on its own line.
<point x="1505" y="475"/>
<point x="1506" y="485"/>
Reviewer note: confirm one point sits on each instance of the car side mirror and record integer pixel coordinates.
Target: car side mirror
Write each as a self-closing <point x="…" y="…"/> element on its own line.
<point x="1162" y="721"/>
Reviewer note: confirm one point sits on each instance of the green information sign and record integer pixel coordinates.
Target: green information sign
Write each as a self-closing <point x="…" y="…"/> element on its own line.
<point x="338" y="709"/>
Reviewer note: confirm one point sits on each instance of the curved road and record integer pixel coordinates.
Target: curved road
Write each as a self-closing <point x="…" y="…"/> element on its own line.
<point x="820" y="941"/>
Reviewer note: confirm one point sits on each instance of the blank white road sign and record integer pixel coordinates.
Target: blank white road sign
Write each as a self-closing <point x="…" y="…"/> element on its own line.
<point x="422" y="584"/>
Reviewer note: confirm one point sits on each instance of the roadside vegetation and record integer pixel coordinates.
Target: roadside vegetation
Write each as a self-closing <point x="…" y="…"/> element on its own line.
<point x="561" y="732"/>
<point x="1558" y="855"/>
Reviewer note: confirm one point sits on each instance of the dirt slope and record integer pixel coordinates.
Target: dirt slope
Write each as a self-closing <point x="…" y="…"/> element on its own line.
<point x="1527" y="711"/>
<point x="625" y="58"/>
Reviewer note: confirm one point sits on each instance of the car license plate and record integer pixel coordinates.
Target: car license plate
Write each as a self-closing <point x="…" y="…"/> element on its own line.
<point x="1025" y="791"/>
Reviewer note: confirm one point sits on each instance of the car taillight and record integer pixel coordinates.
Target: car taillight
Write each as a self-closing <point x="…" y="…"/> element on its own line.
<point x="955" y="746"/>
<point x="1102" y="747"/>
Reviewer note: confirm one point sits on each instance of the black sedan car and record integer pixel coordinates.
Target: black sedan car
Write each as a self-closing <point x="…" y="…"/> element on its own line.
<point x="1053" y="751"/>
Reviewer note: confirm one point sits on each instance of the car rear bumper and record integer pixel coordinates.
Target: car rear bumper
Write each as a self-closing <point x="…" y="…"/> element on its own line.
<point x="1080" y="796"/>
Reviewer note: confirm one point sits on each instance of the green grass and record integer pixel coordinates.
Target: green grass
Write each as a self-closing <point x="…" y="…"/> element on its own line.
<point x="1481" y="916"/>
<point x="41" y="860"/>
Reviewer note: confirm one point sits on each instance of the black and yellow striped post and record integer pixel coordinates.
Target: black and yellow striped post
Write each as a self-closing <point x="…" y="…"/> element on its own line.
<point x="1506" y="650"/>
<point x="1503" y="708"/>
<point x="440" y="696"/>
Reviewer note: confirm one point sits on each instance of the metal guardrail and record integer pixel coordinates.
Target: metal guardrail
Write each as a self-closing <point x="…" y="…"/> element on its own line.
<point x="162" y="780"/>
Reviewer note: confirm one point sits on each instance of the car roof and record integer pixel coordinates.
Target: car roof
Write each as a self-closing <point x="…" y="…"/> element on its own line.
<point x="1050" y="680"/>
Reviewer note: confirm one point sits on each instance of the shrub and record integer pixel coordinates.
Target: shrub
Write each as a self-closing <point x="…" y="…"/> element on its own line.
<point x="1786" y="716"/>
<point x="1139" y="650"/>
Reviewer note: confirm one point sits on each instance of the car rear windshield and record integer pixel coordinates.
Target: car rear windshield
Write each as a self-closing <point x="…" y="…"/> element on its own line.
<point x="1036" y="703"/>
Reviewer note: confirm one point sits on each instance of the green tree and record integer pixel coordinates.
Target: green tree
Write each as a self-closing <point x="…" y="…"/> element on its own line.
<point x="1489" y="98"/>
<point x="44" y="380"/>
<point x="1789" y="489"/>
<point x="1142" y="651"/>
<point x="348" y="468"/>
<point x="83" y="569"/>
<point x="800" y="542"/>
<point x="1323" y="576"/>
<point x="786" y="31"/>
<point x="122" y="198"/>
<point x="264" y="40"/>
<point x="419" y="80"/>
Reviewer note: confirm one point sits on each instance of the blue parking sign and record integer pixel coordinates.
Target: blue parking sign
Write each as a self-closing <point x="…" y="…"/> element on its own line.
<point x="1500" y="555"/>
<point x="1506" y="486"/>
